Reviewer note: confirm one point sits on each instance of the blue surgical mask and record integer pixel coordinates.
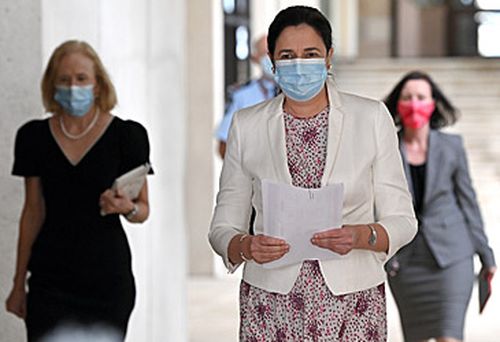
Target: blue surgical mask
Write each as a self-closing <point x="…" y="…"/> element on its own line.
<point x="267" y="66"/>
<point x="301" y="79"/>
<point x="75" y="100"/>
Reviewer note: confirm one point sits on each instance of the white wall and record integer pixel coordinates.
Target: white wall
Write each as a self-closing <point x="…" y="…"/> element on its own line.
<point x="20" y="67"/>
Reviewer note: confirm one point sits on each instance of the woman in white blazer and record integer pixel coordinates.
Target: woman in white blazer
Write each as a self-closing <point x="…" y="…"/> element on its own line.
<point x="432" y="277"/>
<point x="310" y="136"/>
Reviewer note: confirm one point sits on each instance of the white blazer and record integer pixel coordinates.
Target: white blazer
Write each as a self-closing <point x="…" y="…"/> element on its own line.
<point x="362" y="153"/>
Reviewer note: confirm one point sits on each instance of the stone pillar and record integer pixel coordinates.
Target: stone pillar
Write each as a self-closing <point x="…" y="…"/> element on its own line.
<point x="374" y="28"/>
<point x="434" y="28"/>
<point x="262" y="13"/>
<point x="20" y="67"/>
<point x="201" y="93"/>
<point x="408" y="29"/>
<point x="344" y="17"/>
<point x="164" y="256"/>
<point x="142" y="44"/>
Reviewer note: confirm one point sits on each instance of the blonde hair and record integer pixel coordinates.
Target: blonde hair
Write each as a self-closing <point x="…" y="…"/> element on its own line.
<point x="105" y="101"/>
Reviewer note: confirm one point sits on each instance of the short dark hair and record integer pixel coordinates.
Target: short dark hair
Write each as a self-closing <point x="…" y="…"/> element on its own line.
<point x="445" y="113"/>
<point x="294" y="16"/>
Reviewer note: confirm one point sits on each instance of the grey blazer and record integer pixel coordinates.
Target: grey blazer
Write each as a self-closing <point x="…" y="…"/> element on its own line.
<point x="451" y="221"/>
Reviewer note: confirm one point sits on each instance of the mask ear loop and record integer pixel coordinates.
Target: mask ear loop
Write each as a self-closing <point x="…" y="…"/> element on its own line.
<point x="329" y="71"/>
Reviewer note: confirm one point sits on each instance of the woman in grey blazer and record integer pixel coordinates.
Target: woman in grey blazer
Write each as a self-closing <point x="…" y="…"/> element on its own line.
<point x="432" y="277"/>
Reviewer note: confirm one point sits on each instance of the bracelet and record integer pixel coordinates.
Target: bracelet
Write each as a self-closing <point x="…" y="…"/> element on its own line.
<point x="242" y="256"/>
<point x="372" y="239"/>
<point x="133" y="212"/>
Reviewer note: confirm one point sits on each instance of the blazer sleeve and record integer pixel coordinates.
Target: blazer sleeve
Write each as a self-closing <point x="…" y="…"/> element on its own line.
<point x="466" y="197"/>
<point x="393" y="203"/>
<point x="233" y="207"/>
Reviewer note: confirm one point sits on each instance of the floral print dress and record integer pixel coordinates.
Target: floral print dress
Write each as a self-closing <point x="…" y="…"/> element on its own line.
<point x="310" y="312"/>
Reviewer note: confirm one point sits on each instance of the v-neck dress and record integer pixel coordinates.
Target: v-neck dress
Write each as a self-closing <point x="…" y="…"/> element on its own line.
<point x="80" y="264"/>
<point x="310" y="311"/>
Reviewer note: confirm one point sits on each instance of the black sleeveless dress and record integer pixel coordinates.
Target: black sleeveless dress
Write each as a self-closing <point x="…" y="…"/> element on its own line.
<point x="80" y="265"/>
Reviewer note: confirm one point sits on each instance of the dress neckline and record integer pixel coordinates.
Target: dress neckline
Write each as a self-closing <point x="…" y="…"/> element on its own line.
<point x="293" y="117"/>
<point x="87" y="150"/>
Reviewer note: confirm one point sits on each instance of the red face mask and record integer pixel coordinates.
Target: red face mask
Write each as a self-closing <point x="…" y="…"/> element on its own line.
<point x="415" y="114"/>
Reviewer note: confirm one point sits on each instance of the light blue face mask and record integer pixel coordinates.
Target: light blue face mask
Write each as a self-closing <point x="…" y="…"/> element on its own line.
<point x="267" y="66"/>
<point x="75" y="100"/>
<point x="301" y="79"/>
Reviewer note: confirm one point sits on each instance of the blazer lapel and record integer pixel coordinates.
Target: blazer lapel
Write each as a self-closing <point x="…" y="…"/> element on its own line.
<point x="434" y="159"/>
<point x="277" y="142"/>
<point x="406" y="166"/>
<point x="335" y="129"/>
<point x="432" y="167"/>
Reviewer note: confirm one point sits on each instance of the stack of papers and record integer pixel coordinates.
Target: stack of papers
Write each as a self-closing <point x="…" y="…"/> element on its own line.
<point x="295" y="214"/>
<point x="131" y="182"/>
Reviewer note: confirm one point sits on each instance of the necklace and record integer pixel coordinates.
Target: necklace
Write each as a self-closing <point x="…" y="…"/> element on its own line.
<point x="85" y="131"/>
<point x="288" y="109"/>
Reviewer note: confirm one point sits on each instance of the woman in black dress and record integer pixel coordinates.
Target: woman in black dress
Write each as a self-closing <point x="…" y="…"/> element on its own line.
<point x="71" y="241"/>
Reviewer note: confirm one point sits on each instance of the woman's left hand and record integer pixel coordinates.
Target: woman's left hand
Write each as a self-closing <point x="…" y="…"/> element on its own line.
<point x="485" y="272"/>
<point x="115" y="202"/>
<point x="339" y="240"/>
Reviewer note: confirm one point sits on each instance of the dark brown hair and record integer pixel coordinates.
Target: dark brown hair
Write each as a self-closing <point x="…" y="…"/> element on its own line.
<point x="296" y="15"/>
<point x="445" y="113"/>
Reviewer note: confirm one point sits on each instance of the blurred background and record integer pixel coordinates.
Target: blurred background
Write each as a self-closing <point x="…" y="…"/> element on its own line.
<point x="172" y="61"/>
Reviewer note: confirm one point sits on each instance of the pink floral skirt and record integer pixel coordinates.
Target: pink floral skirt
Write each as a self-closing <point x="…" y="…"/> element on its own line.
<point x="310" y="312"/>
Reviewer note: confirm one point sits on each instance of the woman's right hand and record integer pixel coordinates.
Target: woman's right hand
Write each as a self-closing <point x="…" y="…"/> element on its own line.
<point x="16" y="302"/>
<point x="266" y="248"/>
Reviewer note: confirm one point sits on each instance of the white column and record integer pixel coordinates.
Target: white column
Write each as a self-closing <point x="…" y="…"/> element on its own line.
<point x="287" y="3"/>
<point x="203" y="94"/>
<point x="262" y="13"/>
<point x="20" y="100"/>
<point x="165" y="254"/>
<point x="409" y="33"/>
<point x="344" y="17"/>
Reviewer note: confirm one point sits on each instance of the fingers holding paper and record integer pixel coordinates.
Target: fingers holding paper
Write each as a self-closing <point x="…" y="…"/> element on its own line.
<point x="114" y="202"/>
<point x="339" y="240"/>
<point x="265" y="249"/>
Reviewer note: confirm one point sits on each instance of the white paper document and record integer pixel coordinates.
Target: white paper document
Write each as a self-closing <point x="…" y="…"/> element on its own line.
<point x="131" y="182"/>
<point x="295" y="214"/>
